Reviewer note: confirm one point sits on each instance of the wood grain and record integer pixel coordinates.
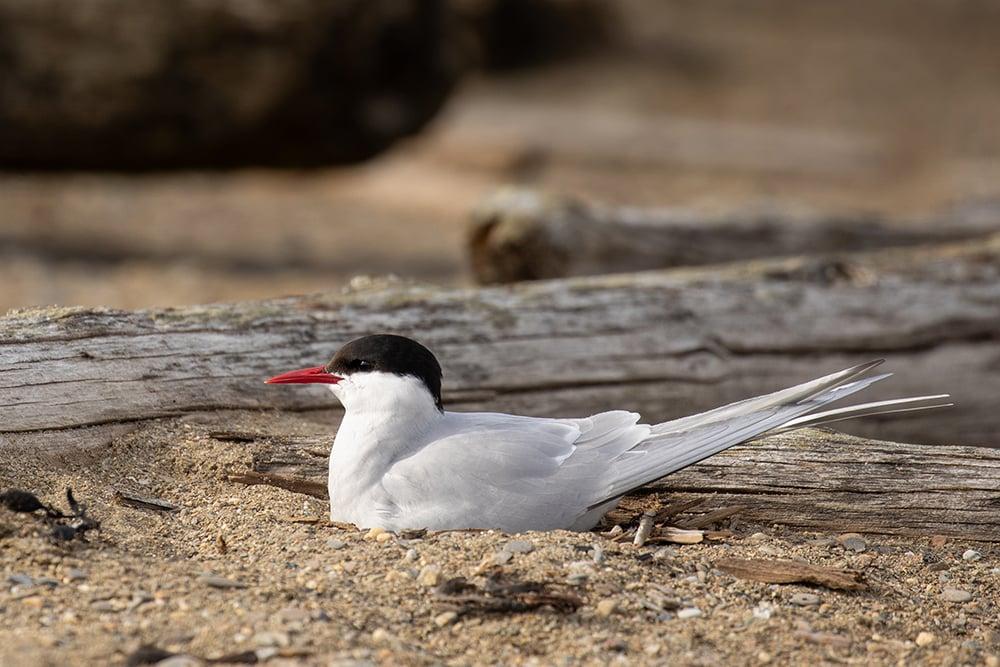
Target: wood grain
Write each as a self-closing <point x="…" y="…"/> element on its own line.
<point x="810" y="479"/>
<point x="662" y="343"/>
<point x="523" y="234"/>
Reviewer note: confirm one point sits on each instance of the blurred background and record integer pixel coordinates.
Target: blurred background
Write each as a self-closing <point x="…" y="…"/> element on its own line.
<point x="183" y="151"/>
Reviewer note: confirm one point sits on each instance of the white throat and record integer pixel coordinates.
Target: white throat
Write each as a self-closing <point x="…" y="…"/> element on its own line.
<point x="386" y="415"/>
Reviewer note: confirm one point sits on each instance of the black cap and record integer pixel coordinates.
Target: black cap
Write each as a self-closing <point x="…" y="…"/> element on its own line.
<point x="389" y="354"/>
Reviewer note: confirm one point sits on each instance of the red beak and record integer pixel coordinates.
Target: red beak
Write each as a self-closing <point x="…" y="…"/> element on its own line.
<point x="314" y="375"/>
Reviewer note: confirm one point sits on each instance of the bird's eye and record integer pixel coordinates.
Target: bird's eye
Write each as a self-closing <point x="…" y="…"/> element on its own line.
<point x="360" y="365"/>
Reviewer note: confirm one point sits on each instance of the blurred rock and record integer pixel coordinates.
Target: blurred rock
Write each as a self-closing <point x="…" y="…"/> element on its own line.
<point x="512" y="34"/>
<point x="114" y="84"/>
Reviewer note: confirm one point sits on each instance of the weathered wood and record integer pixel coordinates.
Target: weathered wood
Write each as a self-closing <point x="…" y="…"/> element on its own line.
<point x="523" y="234"/>
<point x="810" y="479"/>
<point x="665" y="344"/>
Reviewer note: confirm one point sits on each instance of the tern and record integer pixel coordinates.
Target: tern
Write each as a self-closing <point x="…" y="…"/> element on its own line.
<point x="401" y="461"/>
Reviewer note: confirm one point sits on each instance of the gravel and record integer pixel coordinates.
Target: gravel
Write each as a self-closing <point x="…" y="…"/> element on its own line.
<point x="337" y="598"/>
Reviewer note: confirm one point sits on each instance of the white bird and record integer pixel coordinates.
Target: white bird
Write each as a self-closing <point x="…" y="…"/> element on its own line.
<point x="400" y="461"/>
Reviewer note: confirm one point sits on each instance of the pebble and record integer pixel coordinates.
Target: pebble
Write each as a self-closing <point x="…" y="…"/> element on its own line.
<point x="519" y="547"/>
<point x="805" y="599"/>
<point x="429" y="576"/>
<point x="446" y="618"/>
<point x="762" y="611"/>
<point x="502" y="557"/>
<point x="411" y="555"/>
<point x="73" y="574"/>
<point x="689" y="612"/>
<point x="852" y="542"/>
<point x="220" y="582"/>
<point x="992" y="661"/>
<point x="381" y="636"/>
<point x="956" y="595"/>
<point x="334" y="543"/>
<point x="924" y="639"/>
<point x="607" y="607"/>
<point x="972" y="555"/>
<point x="664" y="553"/>
<point x="272" y="638"/>
<point x="597" y="553"/>
<point x="382" y="538"/>
<point x="21" y="580"/>
<point x="374" y="533"/>
<point x="180" y="660"/>
<point x="103" y="606"/>
<point x="757" y="537"/>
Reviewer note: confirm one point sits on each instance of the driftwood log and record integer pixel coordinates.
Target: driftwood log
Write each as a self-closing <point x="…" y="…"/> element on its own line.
<point x="522" y="234"/>
<point x="811" y="479"/>
<point x="665" y="344"/>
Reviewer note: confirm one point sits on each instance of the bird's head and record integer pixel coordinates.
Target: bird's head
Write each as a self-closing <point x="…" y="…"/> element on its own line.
<point x="375" y="370"/>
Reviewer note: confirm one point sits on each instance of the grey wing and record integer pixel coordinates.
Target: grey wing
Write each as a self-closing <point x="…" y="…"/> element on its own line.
<point x="514" y="473"/>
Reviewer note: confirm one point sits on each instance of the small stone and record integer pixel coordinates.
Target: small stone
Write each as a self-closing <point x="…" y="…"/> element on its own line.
<point x="180" y="660"/>
<point x="762" y="611"/>
<point x="20" y="580"/>
<point x="334" y="543"/>
<point x="852" y="542"/>
<point x="763" y="657"/>
<point x="381" y="636"/>
<point x="382" y="538"/>
<point x="429" y="576"/>
<point x="103" y="606"/>
<point x="597" y="553"/>
<point x="956" y="595"/>
<point x="992" y="661"/>
<point x="757" y="537"/>
<point x="446" y="618"/>
<point x="220" y="582"/>
<point x="689" y="612"/>
<point x="502" y="557"/>
<point x="46" y="581"/>
<point x="924" y="639"/>
<point x="651" y="649"/>
<point x="519" y="547"/>
<point x="73" y="574"/>
<point x="805" y="599"/>
<point x="664" y="553"/>
<point x="971" y="555"/>
<point x="272" y="638"/>
<point x="411" y="556"/>
<point x="373" y="533"/>
<point x="606" y="607"/>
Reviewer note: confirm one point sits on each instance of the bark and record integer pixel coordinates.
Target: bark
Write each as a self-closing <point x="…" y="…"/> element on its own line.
<point x="521" y="234"/>
<point x="810" y="479"/>
<point x="665" y="344"/>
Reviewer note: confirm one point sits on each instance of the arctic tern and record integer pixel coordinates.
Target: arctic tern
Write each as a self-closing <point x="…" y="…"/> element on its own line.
<point x="400" y="461"/>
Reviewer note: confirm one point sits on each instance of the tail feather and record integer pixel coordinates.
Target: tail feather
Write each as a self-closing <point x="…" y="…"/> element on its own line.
<point x="888" y="407"/>
<point x="676" y="444"/>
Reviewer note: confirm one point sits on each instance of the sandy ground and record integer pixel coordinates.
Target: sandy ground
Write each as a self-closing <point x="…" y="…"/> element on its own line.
<point x="309" y="593"/>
